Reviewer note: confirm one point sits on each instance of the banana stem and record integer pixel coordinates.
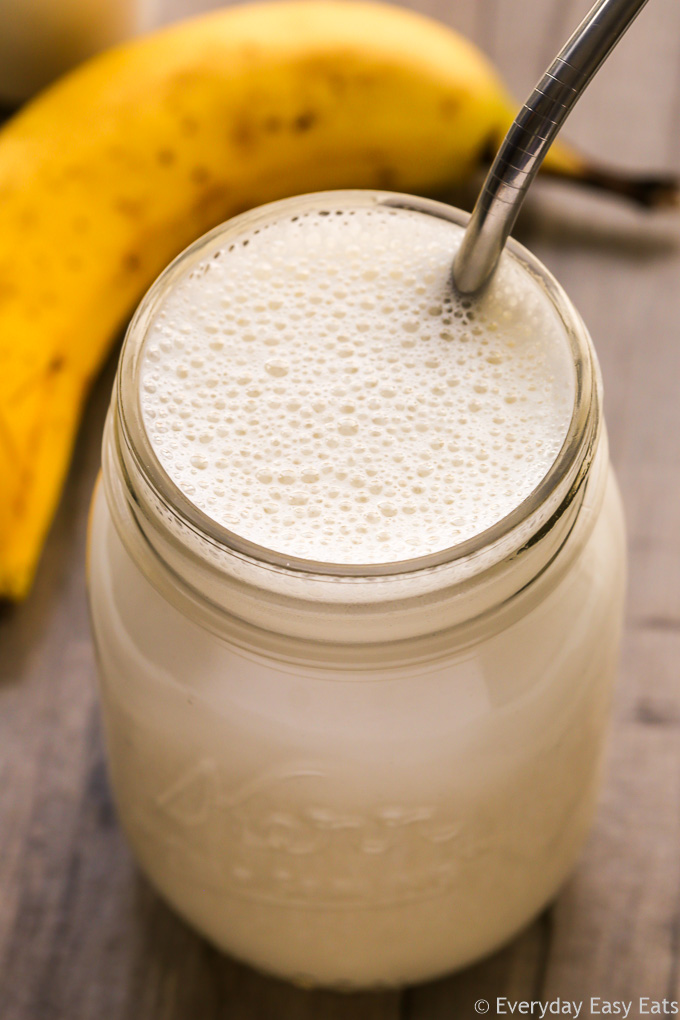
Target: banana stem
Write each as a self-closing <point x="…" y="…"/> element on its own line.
<point x="654" y="191"/>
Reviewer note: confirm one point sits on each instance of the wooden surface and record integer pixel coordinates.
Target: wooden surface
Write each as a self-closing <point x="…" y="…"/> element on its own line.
<point x="81" y="934"/>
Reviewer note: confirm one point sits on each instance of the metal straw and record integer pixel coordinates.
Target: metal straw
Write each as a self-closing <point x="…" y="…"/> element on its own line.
<point x="530" y="137"/>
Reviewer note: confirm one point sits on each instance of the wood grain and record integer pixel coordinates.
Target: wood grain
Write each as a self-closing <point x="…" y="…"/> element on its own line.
<point x="82" y="935"/>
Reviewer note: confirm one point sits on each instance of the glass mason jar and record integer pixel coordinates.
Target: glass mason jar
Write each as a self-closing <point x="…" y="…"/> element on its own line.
<point x="356" y="776"/>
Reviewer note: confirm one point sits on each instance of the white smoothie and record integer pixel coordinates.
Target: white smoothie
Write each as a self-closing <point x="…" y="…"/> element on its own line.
<point x="315" y="386"/>
<point x="354" y="775"/>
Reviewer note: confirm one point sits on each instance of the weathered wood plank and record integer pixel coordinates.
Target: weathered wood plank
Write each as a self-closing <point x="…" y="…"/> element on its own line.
<point x="82" y="935"/>
<point x="615" y="926"/>
<point x="516" y="972"/>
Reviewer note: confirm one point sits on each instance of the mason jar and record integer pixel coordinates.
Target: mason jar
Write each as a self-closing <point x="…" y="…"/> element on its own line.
<point x="356" y="776"/>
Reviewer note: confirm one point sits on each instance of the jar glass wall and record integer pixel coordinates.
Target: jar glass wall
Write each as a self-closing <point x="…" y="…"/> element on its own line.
<point x="356" y="777"/>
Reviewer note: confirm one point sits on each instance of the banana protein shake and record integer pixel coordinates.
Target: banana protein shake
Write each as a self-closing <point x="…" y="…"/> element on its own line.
<point x="356" y="578"/>
<point x="316" y="387"/>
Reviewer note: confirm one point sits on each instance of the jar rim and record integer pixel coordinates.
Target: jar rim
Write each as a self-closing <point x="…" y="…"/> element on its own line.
<point x="492" y="545"/>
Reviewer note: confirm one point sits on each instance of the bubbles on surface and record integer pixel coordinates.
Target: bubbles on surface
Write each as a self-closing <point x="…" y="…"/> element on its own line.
<point x="321" y="392"/>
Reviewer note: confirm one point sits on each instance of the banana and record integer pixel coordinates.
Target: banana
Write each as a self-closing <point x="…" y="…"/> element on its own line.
<point x="112" y="171"/>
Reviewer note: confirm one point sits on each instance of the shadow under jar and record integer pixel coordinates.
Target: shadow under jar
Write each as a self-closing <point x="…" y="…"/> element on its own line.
<point x="355" y="774"/>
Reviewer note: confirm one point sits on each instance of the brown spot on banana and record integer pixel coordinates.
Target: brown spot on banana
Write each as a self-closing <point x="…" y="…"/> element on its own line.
<point x="131" y="262"/>
<point x="450" y="106"/>
<point x="199" y="175"/>
<point x="56" y="365"/>
<point x="305" y="121"/>
<point x="128" y="207"/>
<point x="243" y="132"/>
<point x="215" y="197"/>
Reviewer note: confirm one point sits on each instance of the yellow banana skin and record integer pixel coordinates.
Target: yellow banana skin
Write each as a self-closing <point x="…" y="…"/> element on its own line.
<point x="110" y="173"/>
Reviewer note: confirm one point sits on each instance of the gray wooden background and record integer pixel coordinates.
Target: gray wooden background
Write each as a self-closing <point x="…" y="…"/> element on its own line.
<point x="81" y="934"/>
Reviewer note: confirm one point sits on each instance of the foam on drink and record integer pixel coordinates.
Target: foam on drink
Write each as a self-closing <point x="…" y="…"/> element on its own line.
<point x="314" y="386"/>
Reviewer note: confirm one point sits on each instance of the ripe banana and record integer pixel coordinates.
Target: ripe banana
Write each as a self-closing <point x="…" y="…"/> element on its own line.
<point x="111" y="172"/>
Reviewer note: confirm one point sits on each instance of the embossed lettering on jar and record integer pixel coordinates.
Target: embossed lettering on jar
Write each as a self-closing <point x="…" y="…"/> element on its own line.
<point x="361" y="746"/>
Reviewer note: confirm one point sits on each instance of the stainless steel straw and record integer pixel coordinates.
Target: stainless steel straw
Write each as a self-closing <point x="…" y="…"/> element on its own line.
<point x="530" y="137"/>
